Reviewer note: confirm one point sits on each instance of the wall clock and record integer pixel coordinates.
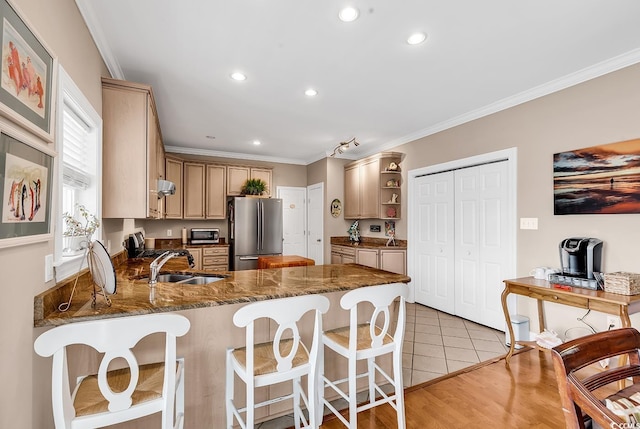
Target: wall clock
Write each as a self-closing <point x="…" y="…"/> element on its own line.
<point x="336" y="207"/>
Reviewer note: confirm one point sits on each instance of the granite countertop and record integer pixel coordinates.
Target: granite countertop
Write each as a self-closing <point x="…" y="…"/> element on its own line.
<point x="369" y="243"/>
<point x="133" y="296"/>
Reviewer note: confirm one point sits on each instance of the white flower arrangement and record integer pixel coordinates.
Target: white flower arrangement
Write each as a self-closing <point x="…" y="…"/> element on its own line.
<point x="80" y="228"/>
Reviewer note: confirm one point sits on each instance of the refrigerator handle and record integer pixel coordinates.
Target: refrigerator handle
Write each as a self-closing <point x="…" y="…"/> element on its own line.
<point x="248" y="258"/>
<point x="262" y="224"/>
<point x="259" y="228"/>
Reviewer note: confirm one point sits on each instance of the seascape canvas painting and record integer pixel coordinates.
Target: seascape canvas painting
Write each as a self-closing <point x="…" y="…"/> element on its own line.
<point x="598" y="180"/>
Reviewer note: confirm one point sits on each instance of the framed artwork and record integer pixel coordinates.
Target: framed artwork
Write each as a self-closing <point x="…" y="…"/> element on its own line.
<point x="598" y="179"/>
<point x="336" y="207"/>
<point x="26" y="84"/>
<point x="26" y="175"/>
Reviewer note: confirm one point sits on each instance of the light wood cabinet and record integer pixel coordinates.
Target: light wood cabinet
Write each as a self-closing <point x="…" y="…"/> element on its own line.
<point x="342" y="254"/>
<point x="216" y="201"/>
<point x="372" y="188"/>
<point x="237" y="175"/>
<point x="384" y="258"/>
<point x="173" y="203"/>
<point x="394" y="260"/>
<point x="196" y="252"/>
<point x="194" y="185"/>
<point x="352" y="192"/>
<point x="132" y="147"/>
<point x="264" y="174"/>
<point x="367" y="257"/>
<point x="215" y="258"/>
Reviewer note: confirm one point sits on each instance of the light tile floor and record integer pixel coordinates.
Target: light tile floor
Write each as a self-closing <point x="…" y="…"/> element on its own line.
<point x="436" y="344"/>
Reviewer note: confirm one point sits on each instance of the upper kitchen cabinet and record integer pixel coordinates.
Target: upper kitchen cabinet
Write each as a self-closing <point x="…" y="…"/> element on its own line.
<point x="173" y="203"/>
<point x="372" y="187"/>
<point x="216" y="199"/>
<point x="133" y="152"/>
<point x="194" y="190"/>
<point x="204" y="191"/>
<point x="237" y="175"/>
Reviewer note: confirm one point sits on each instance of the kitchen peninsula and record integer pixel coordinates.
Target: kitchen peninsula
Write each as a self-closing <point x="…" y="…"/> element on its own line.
<point x="210" y="309"/>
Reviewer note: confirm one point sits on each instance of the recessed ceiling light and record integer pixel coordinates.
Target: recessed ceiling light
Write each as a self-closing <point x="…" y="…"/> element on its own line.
<point x="416" y="38"/>
<point x="238" y="76"/>
<point x="348" y="14"/>
<point x="311" y="92"/>
<point x="256" y="142"/>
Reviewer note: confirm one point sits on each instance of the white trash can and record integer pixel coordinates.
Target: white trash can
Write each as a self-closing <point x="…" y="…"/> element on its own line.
<point x="520" y="325"/>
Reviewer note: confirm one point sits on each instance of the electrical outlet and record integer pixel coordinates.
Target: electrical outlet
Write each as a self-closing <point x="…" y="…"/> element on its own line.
<point x="169" y="233"/>
<point x="613" y="322"/>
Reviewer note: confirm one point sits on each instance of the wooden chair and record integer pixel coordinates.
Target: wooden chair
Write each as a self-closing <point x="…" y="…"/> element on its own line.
<point x="366" y="342"/>
<point x="278" y="360"/>
<point x="578" y="391"/>
<point x="111" y="397"/>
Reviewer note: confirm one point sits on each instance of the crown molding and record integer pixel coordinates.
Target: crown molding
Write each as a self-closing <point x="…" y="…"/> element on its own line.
<point x="93" y="24"/>
<point x="586" y="74"/>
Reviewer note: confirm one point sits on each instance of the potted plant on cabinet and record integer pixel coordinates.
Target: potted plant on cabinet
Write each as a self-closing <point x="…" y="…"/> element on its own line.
<point x="77" y="233"/>
<point x="254" y="187"/>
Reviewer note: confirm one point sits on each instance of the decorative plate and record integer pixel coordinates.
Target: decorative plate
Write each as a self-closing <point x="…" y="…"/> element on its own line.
<point x="336" y="207"/>
<point x="101" y="267"/>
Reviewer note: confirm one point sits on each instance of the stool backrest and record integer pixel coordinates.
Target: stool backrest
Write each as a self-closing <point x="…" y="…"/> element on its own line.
<point x="381" y="297"/>
<point x="115" y="338"/>
<point x="286" y="312"/>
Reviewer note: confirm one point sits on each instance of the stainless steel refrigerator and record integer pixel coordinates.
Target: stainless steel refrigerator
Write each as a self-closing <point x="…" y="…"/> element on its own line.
<point x="255" y="229"/>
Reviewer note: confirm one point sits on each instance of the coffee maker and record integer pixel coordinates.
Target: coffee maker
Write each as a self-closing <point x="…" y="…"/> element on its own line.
<point x="580" y="257"/>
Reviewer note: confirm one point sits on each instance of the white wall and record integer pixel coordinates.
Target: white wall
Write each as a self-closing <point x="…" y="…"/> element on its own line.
<point x="600" y="111"/>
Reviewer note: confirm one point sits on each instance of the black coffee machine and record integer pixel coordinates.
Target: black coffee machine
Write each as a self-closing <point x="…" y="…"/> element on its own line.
<point x="580" y="257"/>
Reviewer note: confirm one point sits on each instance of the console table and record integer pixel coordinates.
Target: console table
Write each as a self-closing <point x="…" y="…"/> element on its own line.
<point x="541" y="290"/>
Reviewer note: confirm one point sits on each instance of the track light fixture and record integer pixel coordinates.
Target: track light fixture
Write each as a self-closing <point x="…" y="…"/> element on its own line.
<point x="343" y="146"/>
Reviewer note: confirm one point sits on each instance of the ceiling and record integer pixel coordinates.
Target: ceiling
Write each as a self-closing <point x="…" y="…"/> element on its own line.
<point x="479" y="57"/>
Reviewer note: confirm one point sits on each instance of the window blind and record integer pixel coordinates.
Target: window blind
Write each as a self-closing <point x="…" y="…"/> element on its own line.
<point x="75" y="171"/>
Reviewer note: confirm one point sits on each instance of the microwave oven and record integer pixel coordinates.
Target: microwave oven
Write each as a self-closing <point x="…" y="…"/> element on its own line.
<point x="204" y="236"/>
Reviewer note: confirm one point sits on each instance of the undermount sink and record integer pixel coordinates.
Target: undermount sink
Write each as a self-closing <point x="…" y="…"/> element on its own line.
<point x="200" y="280"/>
<point x="174" y="278"/>
<point x="186" y="279"/>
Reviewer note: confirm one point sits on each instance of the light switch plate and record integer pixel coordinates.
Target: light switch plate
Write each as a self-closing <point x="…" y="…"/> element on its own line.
<point x="528" y="223"/>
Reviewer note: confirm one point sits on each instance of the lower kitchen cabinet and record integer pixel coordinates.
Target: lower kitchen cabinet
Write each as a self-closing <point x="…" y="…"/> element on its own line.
<point x="215" y="258"/>
<point x="394" y="260"/>
<point x="388" y="259"/>
<point x="368" y="257"/>
<point x="343" y="255"/>
<point x="196" y="252"/>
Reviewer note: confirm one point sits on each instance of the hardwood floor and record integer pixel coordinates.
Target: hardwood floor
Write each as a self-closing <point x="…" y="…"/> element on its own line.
<point x="484" y="396"/>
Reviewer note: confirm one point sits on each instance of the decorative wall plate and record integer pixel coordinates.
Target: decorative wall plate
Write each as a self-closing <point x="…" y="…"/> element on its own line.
<point x="336" y="207"/>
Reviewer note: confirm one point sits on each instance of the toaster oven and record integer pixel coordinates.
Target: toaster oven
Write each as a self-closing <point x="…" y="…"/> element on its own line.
<point x="204" y="236"/>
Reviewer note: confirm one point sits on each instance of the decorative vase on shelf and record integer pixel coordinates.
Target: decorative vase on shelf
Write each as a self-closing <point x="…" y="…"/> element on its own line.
<point x="77" y="234"/>
<point x="74" y="244"/>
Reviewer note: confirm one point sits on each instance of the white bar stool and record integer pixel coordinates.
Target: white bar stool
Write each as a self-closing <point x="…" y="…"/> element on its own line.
<point x="120" y="395"/>
<point x="278" y="360"/>
<point x="368" y="341"/>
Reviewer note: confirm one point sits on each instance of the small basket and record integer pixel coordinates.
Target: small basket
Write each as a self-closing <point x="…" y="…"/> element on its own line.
<point x="622" y="283"/>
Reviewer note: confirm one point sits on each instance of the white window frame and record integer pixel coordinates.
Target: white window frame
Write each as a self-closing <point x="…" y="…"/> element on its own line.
<point x="70" y="94"/>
